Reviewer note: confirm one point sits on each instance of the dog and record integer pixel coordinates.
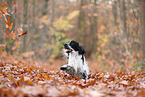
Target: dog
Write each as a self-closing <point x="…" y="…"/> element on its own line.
<point x="76" y="63"/>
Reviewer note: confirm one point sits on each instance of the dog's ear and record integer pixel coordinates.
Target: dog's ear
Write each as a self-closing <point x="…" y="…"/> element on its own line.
<point x="81" y="50"/>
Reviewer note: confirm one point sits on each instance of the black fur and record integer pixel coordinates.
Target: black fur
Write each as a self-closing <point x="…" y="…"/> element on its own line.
<point x="76" y="46"/>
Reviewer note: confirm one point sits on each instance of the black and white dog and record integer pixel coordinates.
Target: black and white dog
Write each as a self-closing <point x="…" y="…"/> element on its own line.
<point x="76" y="64"/>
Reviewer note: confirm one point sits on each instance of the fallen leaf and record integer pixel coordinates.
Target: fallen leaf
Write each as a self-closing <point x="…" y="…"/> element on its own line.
<point x="29" y="83"/>
<point x="94" y="93"/>
<point x="124" y="82"/>
<point x="28" y="54"/>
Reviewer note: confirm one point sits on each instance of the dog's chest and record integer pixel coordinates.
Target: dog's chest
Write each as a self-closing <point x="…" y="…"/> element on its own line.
<point x="75" y="61"/>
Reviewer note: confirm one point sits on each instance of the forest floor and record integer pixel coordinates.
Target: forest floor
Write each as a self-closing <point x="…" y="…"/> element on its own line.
<point x="25" y="77"/>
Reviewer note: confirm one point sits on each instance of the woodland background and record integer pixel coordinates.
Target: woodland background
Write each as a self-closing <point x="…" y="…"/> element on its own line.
<point x="109" y="30"/>
<point x="32" y="34"/>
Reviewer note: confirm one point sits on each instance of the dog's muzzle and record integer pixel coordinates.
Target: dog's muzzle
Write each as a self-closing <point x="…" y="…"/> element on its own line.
<point x="67" y="48"/>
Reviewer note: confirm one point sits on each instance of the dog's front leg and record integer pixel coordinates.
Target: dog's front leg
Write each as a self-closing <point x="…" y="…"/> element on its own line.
<point x="68" y="69"/>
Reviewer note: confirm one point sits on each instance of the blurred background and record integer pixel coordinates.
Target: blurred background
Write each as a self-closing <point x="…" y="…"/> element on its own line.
<point x="107" y="29"/>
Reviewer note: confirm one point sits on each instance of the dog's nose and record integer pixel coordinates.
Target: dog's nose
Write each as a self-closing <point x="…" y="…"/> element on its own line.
<point x="66" y="46"/>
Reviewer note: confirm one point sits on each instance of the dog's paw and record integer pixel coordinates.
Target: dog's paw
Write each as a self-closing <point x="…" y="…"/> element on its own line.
<point x="82" y="75"/>
<point x="64" y="67"/>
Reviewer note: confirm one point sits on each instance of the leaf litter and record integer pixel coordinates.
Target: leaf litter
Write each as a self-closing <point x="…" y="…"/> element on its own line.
<point x="21" y="77"/>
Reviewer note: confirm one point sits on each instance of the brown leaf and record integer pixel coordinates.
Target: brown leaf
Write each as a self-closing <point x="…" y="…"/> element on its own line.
<point x="24" y="33"/>
<point x="19" y="35"/>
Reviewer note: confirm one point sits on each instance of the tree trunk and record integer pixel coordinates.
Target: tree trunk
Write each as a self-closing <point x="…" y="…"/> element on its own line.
<point x="124" y="16"/>
<point x="53" y="12"/>
<point x="93" y="31"/>
<point x="25" y="25"/>
<point x="81" y="22"/>
<point x="114" y="9"/>
<point x="142" y="29"/>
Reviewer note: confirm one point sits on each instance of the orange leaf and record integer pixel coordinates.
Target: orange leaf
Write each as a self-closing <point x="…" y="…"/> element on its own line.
<point x="29" y="83"/>
<point x="10" y="77"/>
<point x="10" y="27"/>
<point x="12" y="35"/>
<point x="28" y="54"/>
<point x="8" y="22"/>
<point x="3" y="10"/>
<point x="4" y="5"/>
<point x="7" y="32"/>
<point x="45" y="77"/>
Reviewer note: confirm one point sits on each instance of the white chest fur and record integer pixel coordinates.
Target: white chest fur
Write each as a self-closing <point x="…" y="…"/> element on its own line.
<point x="75" y="60"/>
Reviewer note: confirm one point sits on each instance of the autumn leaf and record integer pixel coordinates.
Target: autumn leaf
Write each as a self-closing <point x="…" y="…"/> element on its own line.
<point x="19" y="35"/>
<point x="28" y="54"/>
<point x="29" y="83"/>
<point x="72" y="15"/>
<point x="20" y="31"/>
<point x="7" y="32"/>
<point x="4" y="5"/>
<point x="8" y="22"/>
<point x="85" y="6"/>
<point x="45" y="76"/>
<point x="4" y="11"/>
<point x="24" y="33"/>
<point x="10" y="27"/>
<point x="10" y="77"/>
<point x="11" y="35"/>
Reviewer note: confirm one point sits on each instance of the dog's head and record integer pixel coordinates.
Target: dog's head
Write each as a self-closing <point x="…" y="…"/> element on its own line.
<point x="74" y="46"/>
